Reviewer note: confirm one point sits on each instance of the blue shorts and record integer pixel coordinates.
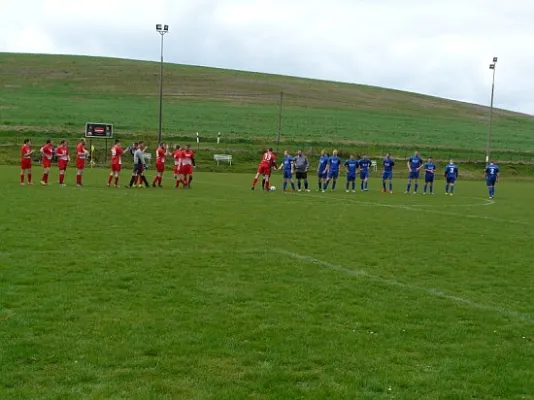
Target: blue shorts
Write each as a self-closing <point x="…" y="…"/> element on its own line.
<point x="491" y="181"/>
<point x="351" y="178"/>
<point x="429" y="178"/>
<point x="321" y="175"/>
<point x="387" y="175"/>
<point x="288" y="174"/>
<point x="364" y="175"/>
<point x="333" y="174"/>
<point x="451" y="179"/>
<point x="414" y="175"/>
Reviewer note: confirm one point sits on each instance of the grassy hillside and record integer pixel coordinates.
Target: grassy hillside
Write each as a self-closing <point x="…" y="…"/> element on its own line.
<point x="57" y="94"/>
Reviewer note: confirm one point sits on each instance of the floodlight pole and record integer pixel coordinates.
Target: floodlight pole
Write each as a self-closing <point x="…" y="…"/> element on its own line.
<point x="492" y="67"/>
<point x="162" y="30"/>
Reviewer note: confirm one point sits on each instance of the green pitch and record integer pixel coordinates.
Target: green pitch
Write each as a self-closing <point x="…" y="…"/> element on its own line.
<point x="223" y="293"/>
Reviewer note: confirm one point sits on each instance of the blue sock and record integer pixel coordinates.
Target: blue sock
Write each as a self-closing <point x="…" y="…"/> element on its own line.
<point x="293" y="185"/>
<point x="416" y="187"/>
<point x="447" y="188"/>
<point x="319" y="184"/>
<point x="365" y="185"/>
<point x="325" y="186"/>
<point x="431" y="188"/>
<point x="408" y="186"/>
<point x="424" y="188"/>
<point x="306" y="184"/>
<point x="361" y="185"/>
<point x="390" y="186"/>
<point x="298" y="183"/>
<point x="284" y="186"/>
<point x="334" y="185"/>
<point x="452" y="188"/>
<point x="353" y="185"/>
<point x="384" y="185"/>
<point x="347" y="185"/>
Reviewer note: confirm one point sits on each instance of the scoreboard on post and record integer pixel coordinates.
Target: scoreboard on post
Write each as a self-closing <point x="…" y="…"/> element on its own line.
<point x="98" y="130"/>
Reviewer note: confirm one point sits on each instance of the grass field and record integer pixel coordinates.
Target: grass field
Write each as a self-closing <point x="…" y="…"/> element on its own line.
<point x="59" y="94"/>
<point x="223" y="293"/>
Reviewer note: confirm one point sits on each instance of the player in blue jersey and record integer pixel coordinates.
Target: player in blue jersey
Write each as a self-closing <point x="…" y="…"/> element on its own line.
<point x="322" y="169"/>
<point x="451" y="174"/>
<point x="415" y="163"/>
<point x="430" y="173"/>
<point x="387" y="175"/>
<point x="351" y="166"/>
<point x="492" y="172"/>
<point x="365" y="168"/>
<point x="288" y="166"/>
<point x="334" y="163"/>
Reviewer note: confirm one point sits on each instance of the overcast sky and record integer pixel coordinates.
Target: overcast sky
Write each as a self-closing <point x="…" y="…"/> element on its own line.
<point x="441" y="48"/>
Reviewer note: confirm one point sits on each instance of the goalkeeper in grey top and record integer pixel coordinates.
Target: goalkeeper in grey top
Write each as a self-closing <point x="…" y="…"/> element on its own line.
<point x="140" y="157"/>
<point x="301" y="170"/>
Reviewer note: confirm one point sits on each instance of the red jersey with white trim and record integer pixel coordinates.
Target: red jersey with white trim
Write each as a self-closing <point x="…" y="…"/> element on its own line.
<point x="62" y="153"/>
<point x="48" y="151"/>
<point x="116" y="155"/>
<point x="268" y="159"/>
<point x="25" y="151"/>
<point x="80" y="152"/>
<point x="187" y="157"/>
<point x="177" y="155"/>
<point x="160" y="155"/>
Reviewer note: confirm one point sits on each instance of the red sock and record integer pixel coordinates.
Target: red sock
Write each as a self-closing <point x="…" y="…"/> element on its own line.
<point x="21" y="178"/>
<point x="155" y="180"/>
<point x="159" y="180"/>
<point x="29" y="177"/>
<point x="136" y="179"/>
<point x="78" y="179"/>
<point x="254" y="181"/>
<point x="109" y="179"/>
<point x="116" y="181"/>
<point x="177" y="182"/>
<point x="61" y="178"/>
<point x="45" y="178"/>
<point x="267" y="186"/>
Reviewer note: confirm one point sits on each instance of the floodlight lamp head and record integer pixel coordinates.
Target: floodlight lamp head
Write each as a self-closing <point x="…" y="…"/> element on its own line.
<point x="158" y="27"/>
<point x="494" y="59"/>
<point x="492" y="66"/>
<point x="166" y="29"/>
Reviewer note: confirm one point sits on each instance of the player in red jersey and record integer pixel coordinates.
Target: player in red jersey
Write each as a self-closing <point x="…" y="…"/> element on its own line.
<point x="63" y="158"/>
<point x="161" y="152"/>
<point x="187" y="164"/>
<point x="81" y="155"/>
<point x="26" y="161"/>
<point x="267" y="162"/>
<point x="47" y="151"/>
<point x="116" y="163"/>
<point x="177" y="155"/>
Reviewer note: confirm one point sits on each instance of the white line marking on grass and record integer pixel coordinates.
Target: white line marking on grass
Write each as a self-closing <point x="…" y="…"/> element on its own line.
<point x="433" y="292"/>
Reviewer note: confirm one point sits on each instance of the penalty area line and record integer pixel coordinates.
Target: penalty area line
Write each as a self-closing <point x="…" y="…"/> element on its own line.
<point x="391" y="282"/>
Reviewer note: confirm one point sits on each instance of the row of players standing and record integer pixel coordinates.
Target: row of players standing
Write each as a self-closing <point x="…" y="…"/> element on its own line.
<point x="184" y="162"/>
<point x="329" y="167"/>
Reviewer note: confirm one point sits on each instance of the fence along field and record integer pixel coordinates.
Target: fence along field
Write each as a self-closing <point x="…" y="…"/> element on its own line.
<point x="47" y="95"/>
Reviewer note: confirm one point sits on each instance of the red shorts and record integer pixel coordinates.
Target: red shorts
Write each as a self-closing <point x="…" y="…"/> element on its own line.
<point x="116" y="167"/>
<point x="264" y="170"/>
<point x="177" y="170"/>
<point x="46" y="163"/>
<point x="80" y="164"/>
<point x="26" y="163"/>
<point x="160" y="167"/>
<point x="186" y="170"/>
<point x="62" y="164"/>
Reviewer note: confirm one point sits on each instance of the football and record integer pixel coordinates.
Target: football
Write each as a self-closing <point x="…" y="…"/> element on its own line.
<point x="273" y="188"/>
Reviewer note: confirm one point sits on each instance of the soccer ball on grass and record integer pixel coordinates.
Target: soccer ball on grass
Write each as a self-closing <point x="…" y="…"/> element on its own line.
<point x="272" y="188"/>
